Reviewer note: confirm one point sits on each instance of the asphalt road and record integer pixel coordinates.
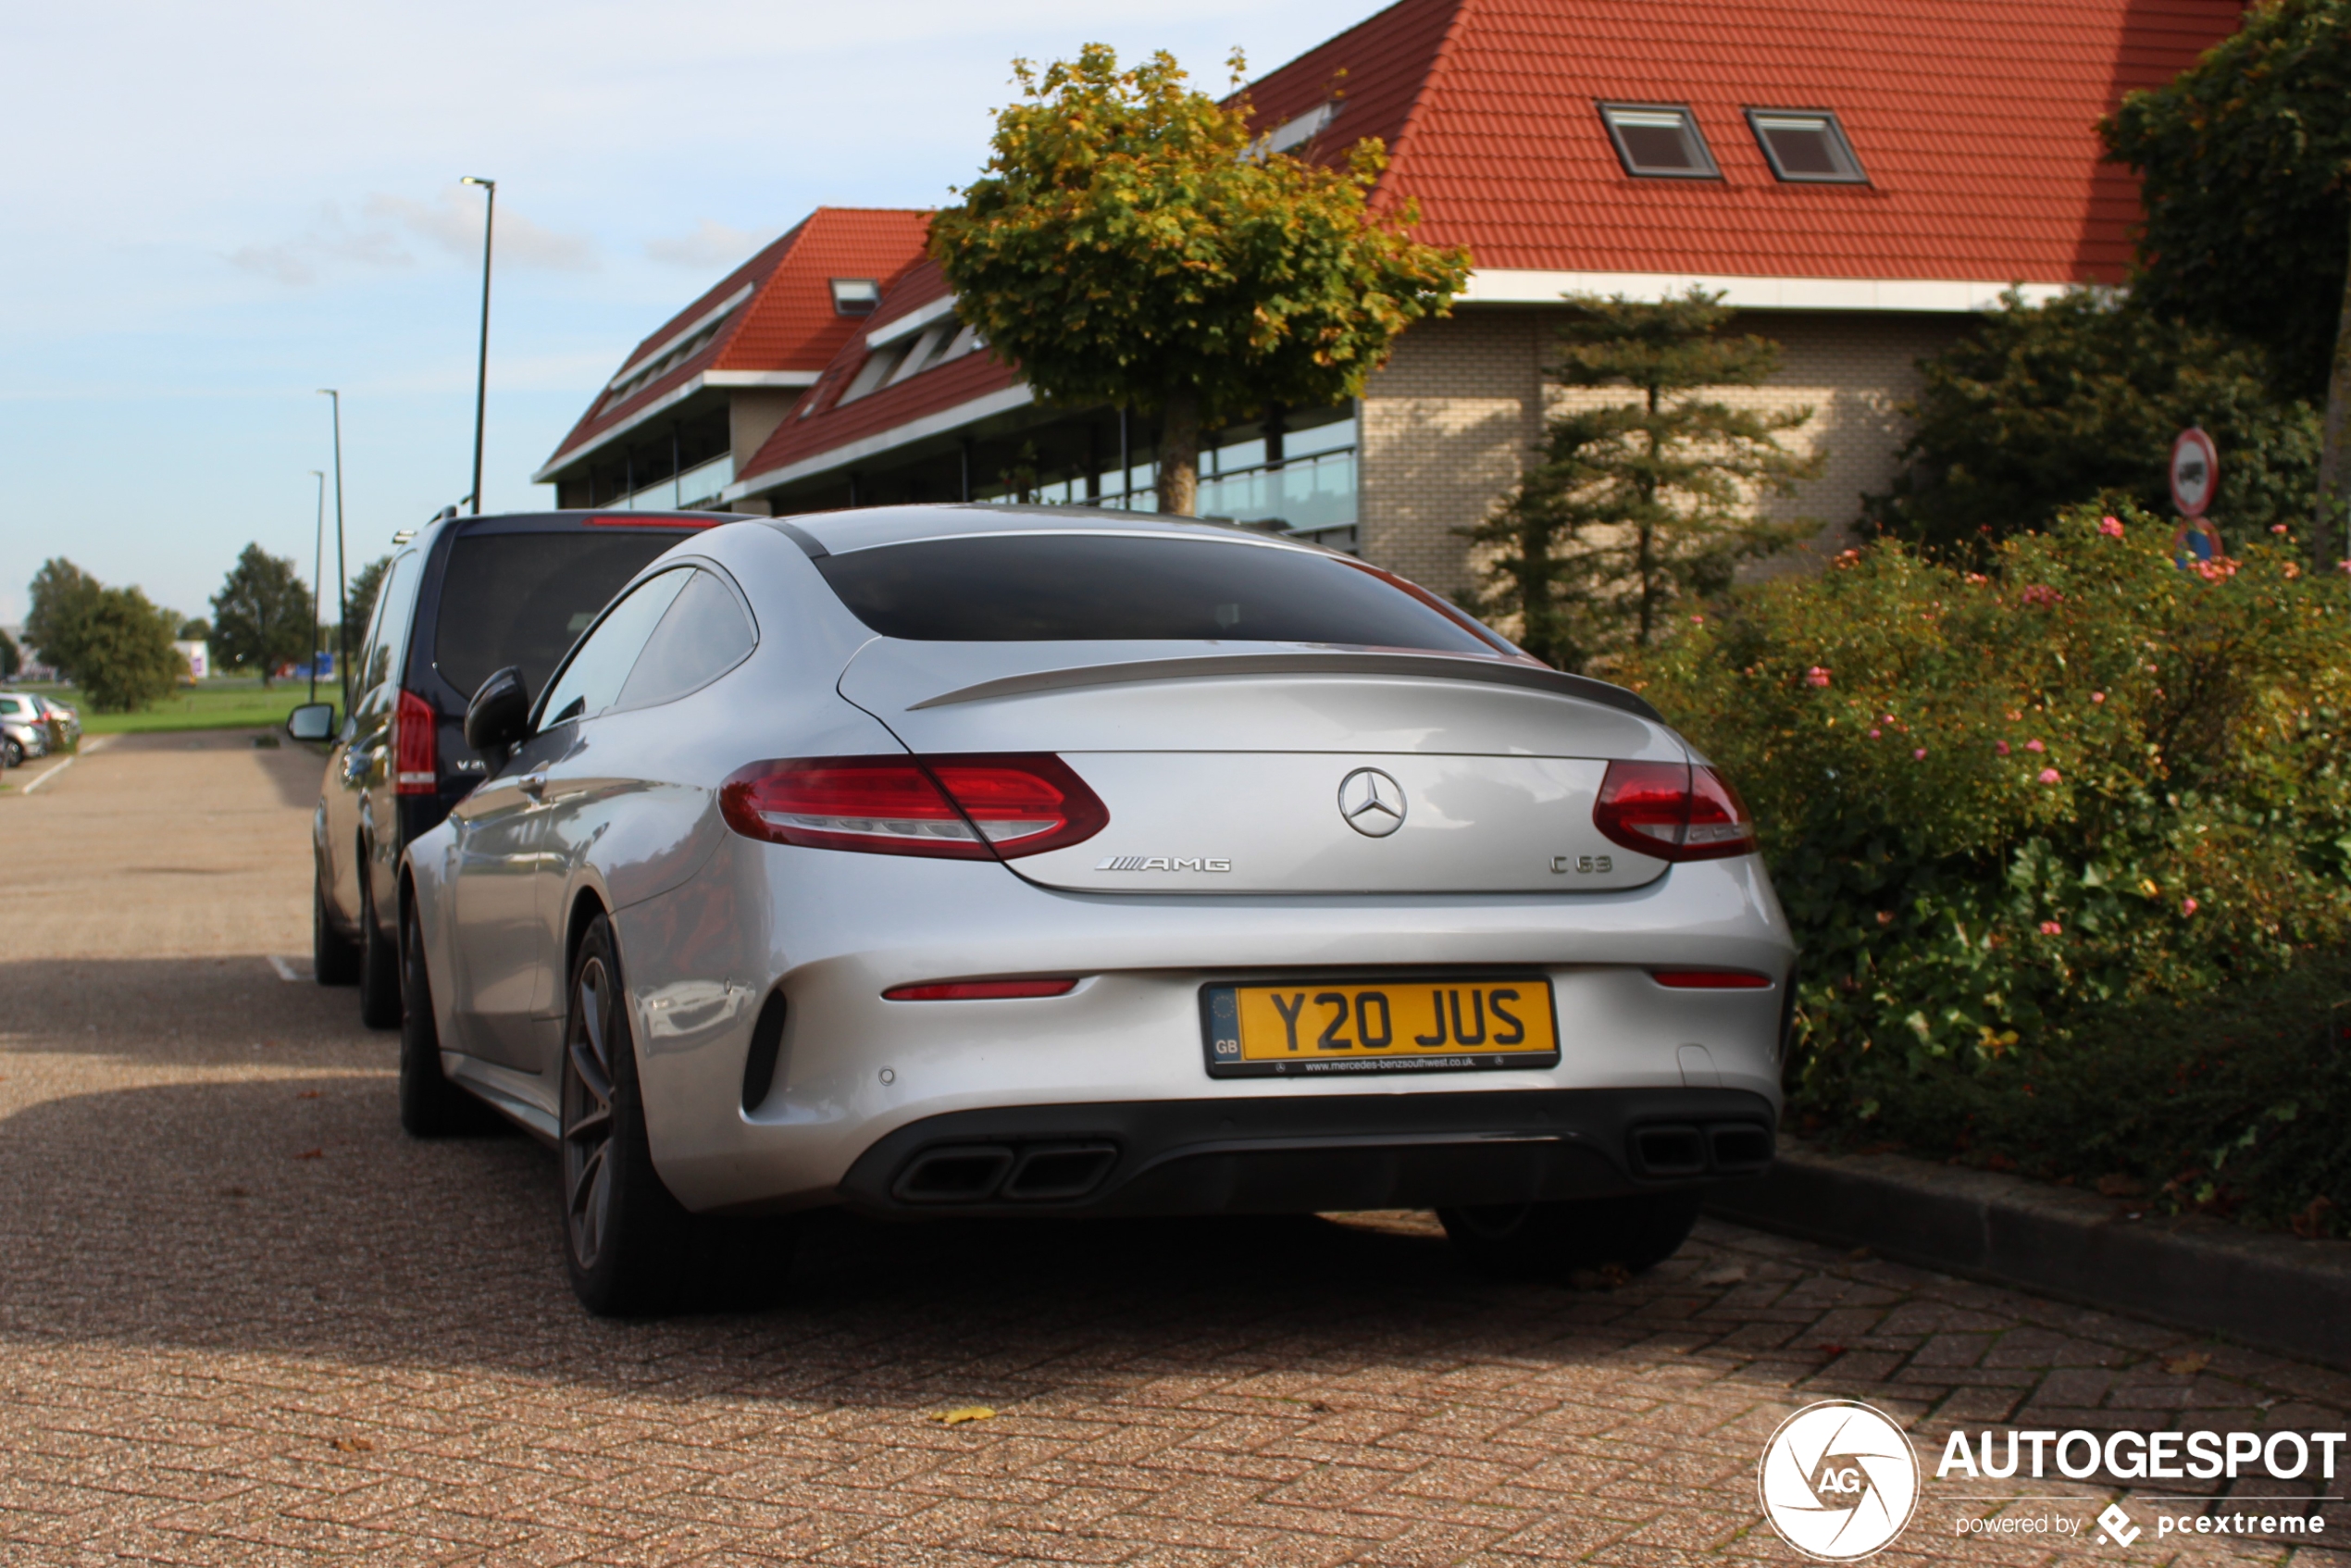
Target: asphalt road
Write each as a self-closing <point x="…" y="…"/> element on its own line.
<point x="242" y="1320"/>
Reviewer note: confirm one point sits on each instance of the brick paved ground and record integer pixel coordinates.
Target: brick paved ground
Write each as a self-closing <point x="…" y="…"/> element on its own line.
<point x="241" y="1320"/>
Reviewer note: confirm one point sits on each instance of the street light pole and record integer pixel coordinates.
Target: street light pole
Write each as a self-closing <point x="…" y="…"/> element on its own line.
<point x="342" y="573"/>
<point x="317" y="569"/>
<point x="481" y="371"/>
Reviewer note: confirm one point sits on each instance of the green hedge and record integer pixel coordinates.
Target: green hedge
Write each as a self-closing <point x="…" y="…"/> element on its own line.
<point x="2000" y="807"/>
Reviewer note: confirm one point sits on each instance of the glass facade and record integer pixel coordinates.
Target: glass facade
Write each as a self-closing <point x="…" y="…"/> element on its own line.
<point x="1294" y="475"/>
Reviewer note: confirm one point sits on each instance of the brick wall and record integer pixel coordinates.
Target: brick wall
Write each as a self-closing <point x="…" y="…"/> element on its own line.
<point x="1448" y="421"/>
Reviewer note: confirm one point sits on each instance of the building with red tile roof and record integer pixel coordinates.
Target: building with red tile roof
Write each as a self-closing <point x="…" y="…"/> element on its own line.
<point x="1858" y="177"/>
<point x="705" y="390"/>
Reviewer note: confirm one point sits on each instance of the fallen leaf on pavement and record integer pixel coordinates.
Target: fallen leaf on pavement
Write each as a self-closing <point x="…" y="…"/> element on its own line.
<point x="307" y="1094"/>
<point x="2187" y="1365"/>
<point x="311" y="1154"/>
<point x="354" y="1445"/>
<point x="961" y="1413"/>
<point x="1721" y="1274"/>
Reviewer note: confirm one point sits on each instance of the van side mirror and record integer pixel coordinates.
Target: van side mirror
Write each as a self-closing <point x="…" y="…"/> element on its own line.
<point x="312" y="721"/>
<point x="499" y="716"/>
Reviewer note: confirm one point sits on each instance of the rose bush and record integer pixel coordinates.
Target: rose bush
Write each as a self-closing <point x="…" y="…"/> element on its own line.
<point x="2000" y="805"/>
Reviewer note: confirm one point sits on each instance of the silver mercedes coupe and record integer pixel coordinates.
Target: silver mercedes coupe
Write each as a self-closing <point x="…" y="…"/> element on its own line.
<point x="996" y="861"/>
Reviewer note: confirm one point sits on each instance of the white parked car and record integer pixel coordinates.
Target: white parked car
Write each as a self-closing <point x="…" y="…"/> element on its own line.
<point x="989" y="861"/>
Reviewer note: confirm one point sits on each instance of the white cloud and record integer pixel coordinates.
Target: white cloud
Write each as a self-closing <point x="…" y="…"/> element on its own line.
<point x="453" y="223"/>
<point x="712" y="244"/>
<point x="329" y="238"/>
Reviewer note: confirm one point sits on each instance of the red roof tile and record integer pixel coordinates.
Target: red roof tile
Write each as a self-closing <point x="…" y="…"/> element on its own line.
<point x="1976" y="121"/>
<point x="830" y="424"/>
<point x="788" y="322"/>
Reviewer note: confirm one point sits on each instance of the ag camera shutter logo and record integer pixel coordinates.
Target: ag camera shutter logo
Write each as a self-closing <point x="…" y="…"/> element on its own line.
<point x="1838" y="1480"/>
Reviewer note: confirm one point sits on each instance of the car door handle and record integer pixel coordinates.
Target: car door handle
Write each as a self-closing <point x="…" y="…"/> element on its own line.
<point x="534" y="784"/>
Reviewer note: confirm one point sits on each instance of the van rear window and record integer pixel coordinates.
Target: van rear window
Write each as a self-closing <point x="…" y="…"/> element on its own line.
<point x="524" y="598"/>
<point x="1075" y="587"/>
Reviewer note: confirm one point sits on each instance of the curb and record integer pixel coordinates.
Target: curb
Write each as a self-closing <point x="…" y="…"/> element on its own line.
<point x="2275" y="1293"/>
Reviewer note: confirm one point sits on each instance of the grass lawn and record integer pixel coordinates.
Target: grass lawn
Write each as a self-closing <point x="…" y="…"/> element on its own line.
<point x="226" y="704"/>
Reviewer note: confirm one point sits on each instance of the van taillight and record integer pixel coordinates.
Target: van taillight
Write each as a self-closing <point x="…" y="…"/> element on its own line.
<point x="1673" y="810"/>
<point x="415" y="751"/>
<point x="955" y="807"/>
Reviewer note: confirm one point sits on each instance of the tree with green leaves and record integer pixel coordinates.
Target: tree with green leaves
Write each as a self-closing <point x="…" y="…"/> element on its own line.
<point x="62" y="596"/>
<point x="2047" y="406"/>
<point x="261" y="616"/>
<point x="2244" y="170"/>
<point x="1130" y="243"/>
<point x="195" y="629"/>
<point x="1637" y="503"/>
<point x="126" y="658"/>
<point x="12" y="657"/>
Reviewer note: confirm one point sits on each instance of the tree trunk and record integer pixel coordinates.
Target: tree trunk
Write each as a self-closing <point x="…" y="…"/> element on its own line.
<point x="1179" y="455"/>
<point x="2329" y="544"/>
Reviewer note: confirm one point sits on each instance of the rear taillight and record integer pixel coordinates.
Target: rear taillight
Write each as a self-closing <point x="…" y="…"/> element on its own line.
<point x="415" y="751"/>
<point x="958" y="807"/>
<point x="1673" y="810"/>
<point x="979" y="991"/>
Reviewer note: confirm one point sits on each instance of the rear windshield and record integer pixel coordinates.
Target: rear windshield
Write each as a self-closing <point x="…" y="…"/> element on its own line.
<point x="522" y="598"/>
<point x="1065" y="587"/>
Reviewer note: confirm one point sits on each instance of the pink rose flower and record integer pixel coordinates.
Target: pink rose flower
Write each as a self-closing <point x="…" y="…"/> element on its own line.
<point x="1816" y="676"/>
<point x="2098" y="696"/>
<point x="2187" y="906"/>
<point x="2049" y="776"/>
<point x="1874" y="733"/>
<point x="2277" y="527"/>
<point x="2051" y="928"/>
<point x="2111" y="527"/>
<point x="2000" y="746"/>
<point x="2034" y="746"/>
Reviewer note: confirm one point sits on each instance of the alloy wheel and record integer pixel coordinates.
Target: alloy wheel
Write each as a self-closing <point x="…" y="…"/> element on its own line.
<point x="588" y="1114"/>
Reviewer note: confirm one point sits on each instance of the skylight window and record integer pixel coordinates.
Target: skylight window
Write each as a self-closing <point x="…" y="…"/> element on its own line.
<point x="855" y="296"/>
<point x="1658" y="140"/>
<point x="1807" y="146"/>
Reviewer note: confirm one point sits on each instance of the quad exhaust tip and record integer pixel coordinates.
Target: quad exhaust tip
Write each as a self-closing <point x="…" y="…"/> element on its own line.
<point x="1032" y="1173"/>
<point x="1714" y="1149"/>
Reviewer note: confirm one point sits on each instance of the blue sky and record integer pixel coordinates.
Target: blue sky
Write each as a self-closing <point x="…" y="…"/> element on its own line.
<point x="209" y="212"/>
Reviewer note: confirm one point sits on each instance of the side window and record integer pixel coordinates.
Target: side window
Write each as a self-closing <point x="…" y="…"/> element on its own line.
<point x="394" y="603"/>
<point x="704" y="635"/>
<point x="591" y="680"/>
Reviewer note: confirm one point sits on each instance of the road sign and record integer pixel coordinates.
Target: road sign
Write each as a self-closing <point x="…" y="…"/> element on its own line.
<point x="2196" y="471"/>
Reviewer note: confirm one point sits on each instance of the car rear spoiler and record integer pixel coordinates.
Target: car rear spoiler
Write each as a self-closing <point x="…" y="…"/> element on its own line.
<point x="1439" y="666"/>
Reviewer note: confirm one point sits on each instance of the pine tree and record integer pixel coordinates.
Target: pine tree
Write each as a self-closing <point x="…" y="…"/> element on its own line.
<point x="1638" y="504"/>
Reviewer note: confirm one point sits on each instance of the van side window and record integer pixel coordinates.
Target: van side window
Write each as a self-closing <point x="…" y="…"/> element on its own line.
<point x="591" y="680"/>
<point x="394" y="602"/>
<point x="704" y="635"/>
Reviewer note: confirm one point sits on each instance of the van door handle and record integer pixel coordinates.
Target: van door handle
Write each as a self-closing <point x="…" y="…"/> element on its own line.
<point x="534" y="784"/>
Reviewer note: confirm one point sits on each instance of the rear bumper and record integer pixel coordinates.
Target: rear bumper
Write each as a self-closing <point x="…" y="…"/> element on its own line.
<point x="1299" y="1155"/>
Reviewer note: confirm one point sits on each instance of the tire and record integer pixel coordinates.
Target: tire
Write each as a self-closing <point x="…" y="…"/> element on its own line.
<point x="1552" y="1240"/>
<point x="15" y="753"/>
<point x="334" y="958"/>
<point x="378" y="965"/>
<point x="431" y="1106"/>
<point x="626" y="1240"/>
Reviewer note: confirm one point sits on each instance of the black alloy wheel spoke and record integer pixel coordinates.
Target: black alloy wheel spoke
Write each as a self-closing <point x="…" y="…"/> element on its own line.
<point x="587" y="1116"/>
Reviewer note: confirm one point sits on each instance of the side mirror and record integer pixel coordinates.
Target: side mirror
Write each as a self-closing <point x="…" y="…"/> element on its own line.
<point x="312" y="721"/>
<point x="499" y="715"/>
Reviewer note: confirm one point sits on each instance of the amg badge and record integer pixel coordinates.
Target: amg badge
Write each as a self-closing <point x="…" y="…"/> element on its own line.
<point x="1163" y="862"/>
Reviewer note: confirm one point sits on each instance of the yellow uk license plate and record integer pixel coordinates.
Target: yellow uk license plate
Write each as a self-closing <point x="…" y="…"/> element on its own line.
<point x="1444" y="1025"/>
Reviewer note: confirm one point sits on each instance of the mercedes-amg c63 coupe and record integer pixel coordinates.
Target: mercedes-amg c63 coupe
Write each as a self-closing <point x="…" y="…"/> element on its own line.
<point x="996" y="861"/>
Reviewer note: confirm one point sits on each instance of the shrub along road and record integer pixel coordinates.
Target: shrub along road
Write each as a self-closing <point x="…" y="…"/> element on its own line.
<point x="242" y="1320"/>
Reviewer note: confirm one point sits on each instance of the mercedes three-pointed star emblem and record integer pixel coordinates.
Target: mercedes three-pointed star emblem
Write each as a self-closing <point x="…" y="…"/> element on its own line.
<point x="1371" y="802"/>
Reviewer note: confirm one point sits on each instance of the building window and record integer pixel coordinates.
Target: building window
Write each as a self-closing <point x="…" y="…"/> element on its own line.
<point x="1658" y="140"/>
<point x="1807" y="146"/>
<point x="855" y="296"/>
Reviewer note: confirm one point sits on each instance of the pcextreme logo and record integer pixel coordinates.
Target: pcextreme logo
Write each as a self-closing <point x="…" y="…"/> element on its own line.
<point x="1838" y="1480"/>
